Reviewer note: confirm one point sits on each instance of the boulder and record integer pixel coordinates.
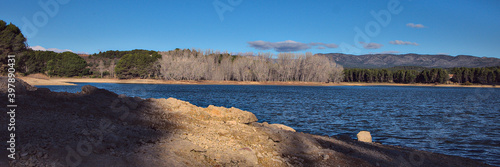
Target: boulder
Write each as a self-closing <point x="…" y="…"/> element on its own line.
<point x="364" y="136"/>
<point x="211" y="113"/>
<point x="87" y="89"/>
<point x="21" y="87"/>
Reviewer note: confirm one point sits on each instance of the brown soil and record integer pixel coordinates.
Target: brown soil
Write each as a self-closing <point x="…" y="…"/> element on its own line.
<point x="96" y="127"/>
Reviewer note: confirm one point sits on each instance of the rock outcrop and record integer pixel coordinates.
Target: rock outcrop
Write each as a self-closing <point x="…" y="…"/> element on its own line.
<point x="100" y="128"/>
<point x="19" y="86"/>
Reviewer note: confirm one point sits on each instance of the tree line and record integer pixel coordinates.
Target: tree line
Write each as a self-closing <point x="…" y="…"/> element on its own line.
<point x="186" y="64"/>
<point x="66" y="64"/>
<point x="435" y="75"/>
<point x="485" y="75"/>
<point x="462" y="75"/>
<point x="209" y="65"/>
<point x="116" y="54"/>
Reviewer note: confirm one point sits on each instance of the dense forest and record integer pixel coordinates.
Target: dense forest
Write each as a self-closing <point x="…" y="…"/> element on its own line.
<point x="435" y="75"/>
<point x="134" y="64"/>
<point x="190" y="64"/>
<point x="66" y="64"/>
<point x="484" y="75"/>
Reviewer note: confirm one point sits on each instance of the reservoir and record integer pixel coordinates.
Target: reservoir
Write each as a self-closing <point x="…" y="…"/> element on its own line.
<point x="453" y="121"/>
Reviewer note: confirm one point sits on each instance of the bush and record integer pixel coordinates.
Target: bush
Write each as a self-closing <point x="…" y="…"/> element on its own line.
<point x="105" y="73"/>
<point x="467" y="83"/>
<point x="67" y="64"/>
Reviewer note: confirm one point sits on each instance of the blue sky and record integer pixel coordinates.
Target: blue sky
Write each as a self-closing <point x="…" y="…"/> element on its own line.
<point x="415" y="26"/>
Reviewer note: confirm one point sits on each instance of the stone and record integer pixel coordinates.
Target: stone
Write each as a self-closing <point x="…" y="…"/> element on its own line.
<point x="364" y="136"/>
<point x="87" y="89"/>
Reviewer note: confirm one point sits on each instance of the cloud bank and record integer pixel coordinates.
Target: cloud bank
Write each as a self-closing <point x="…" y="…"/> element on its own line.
<point x="40" y="48"/>
<point x="285" y="46"/>
<point x="398" y="42"/>
<point x="415" y="25"/>
<point x="288" y="45"/>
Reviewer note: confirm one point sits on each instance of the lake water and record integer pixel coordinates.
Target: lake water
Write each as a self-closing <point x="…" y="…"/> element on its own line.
<point x="454" y="121"/>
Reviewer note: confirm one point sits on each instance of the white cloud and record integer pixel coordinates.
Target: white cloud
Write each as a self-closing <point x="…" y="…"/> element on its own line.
<point x="320" y="47"/>
<point x="371" y="45"/>
<point x="415" y="25"/>
<point x="54" y="49"/>
<point x="398" y="42"/>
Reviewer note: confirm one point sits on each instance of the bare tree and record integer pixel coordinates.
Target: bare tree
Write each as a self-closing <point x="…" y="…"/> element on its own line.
<point x="111" y="68"/>
<point x="101" y="67"/>
<point x="261" y="67"/>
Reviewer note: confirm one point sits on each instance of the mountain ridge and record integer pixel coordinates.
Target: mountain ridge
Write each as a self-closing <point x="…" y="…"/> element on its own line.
<point x="410" y="59"/>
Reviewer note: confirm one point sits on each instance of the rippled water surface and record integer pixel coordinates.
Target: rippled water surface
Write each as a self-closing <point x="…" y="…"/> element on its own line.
<point x="454" y="121"/>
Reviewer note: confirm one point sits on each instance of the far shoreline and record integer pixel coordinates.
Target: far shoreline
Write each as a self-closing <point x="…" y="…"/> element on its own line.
<point x="70" y="81"/>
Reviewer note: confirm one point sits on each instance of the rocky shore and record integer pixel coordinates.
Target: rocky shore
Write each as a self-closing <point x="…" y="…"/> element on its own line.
<point x="96" y="127"/>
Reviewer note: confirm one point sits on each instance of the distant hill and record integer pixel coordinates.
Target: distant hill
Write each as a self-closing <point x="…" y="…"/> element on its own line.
<point x="393" y="60"/>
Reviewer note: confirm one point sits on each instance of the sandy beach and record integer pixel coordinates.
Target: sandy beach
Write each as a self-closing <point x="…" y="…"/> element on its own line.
<point x="70" y="81"/>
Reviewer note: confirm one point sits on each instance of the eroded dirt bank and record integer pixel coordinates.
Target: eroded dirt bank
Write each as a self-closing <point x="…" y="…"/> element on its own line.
<point x="96" y="127"/>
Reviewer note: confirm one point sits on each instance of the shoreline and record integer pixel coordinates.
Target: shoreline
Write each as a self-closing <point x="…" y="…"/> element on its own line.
<point x="200" y="136"/>
<point x="70" y="81"/>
